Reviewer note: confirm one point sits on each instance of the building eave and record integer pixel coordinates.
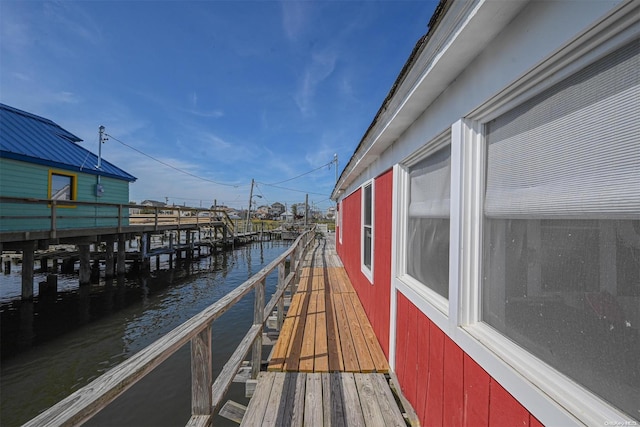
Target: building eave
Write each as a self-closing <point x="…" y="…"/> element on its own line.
<point x="458" y="30"/>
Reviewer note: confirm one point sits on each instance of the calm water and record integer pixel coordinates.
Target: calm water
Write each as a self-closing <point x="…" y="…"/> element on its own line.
<point x="51" y="348"/>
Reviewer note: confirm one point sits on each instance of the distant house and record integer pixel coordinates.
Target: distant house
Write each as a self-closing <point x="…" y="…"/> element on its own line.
<point x="286" y="216"/>
<point x="276" y="209"/>
<point x="41" y="160"/>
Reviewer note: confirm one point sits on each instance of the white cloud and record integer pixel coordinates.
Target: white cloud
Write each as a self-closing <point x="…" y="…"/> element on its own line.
<point x="294" y="18"/>
<point x="321" y="67"/>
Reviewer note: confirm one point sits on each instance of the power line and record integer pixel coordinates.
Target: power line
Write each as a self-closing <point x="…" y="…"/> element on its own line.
<point x="170" y="166"/>
<point x="293" y="189"/>
<point x="303" y="174"/>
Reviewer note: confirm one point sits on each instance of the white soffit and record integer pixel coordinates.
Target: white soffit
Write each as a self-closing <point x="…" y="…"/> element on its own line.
<point x="465" y="29"/>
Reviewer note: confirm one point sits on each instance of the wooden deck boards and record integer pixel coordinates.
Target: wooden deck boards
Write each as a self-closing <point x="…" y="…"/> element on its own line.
<point x="326" y="328"/>
<point x="327" y="367"/>
<point x="322" y="399"/>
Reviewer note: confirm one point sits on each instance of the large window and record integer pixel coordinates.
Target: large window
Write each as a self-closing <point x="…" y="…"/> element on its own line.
<point x="561" y="257"/>
<point x="367" y="230"/>
<point x="62" y="186"/>
<point x="427" y="255"/>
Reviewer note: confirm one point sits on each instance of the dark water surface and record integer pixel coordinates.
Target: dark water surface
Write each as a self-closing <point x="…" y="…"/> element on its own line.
<point x="51" y="348"/>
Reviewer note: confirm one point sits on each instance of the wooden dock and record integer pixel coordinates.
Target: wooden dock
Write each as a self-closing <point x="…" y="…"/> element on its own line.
<point x="327" y="367"/>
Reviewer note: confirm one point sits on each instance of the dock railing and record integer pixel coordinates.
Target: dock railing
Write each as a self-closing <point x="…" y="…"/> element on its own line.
<point x="206" y="394"/>
<point x="51" y="216"/>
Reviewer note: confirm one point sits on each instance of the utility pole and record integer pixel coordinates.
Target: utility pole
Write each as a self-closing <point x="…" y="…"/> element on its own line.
<point x="335" y="160"/>
<point x="246" y="230"/>
<point x="306" y="209"/>
<point x="100" y="142"/>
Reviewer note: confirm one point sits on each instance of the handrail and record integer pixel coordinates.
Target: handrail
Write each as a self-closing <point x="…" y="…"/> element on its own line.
<point x="206" y="395"/>
<point x="121" y="211"/>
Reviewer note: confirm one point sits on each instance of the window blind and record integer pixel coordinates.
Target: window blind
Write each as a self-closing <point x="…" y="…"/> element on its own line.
<point x="430" y="183"/>
<point x="572" y="151"/>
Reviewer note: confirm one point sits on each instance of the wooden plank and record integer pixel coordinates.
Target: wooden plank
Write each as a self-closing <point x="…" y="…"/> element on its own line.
<point x="349" y="356"/>
<point x="292" y="361"/>
<point x="297" y="401"/>
<point x="274" y="402"/>
<point x="284" y="340"/>
<point x="334" y="348"/>
<point x="201" y="373"/>
<point x="224" y="380"/>
<point x="321" y="344"/>
<point x="258" y="403"/>
<point x="368" y="401"/>
<point x="233" y="411"/>
<point x="199" y="421"/>
<point x="362" y="349"/>
<point x="409" y="414"/>
<point x="313" y="407"/>
<point x="388" y="406"/>
<point x="333" y="404"/>
<point x="307" y="354"/>
<point x="290" y="396"/>
<point x="377" y="355"/>
<point x="353" y="410"/>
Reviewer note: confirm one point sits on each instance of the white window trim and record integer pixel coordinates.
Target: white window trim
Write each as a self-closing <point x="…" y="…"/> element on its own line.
<point x="368" y="273"/>
<point x="418" y="293"/>
<point x="340" y="207"/>
<point x="551" y="396"/>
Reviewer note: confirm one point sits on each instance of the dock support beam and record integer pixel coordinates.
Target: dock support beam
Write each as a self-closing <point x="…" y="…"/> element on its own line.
<point x="27" y="269"/>
<point x="121" y="261"/>
<point x="109" y="260"/>
<point x="85" y="264"/>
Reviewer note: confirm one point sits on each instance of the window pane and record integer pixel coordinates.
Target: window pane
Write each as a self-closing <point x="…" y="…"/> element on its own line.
<point x="61" y="187"/>
<point x="428" y="253"/>
<point x="367" y="247"/>
<point x="428" y="222"/>
<point x="367" y="205"/>
<point x="569" y="292"/>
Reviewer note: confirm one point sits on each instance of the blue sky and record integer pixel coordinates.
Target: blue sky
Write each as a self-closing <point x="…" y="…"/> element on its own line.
<point x="225" y="90"/>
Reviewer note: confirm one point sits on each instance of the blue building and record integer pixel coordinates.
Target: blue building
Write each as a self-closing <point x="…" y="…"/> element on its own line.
<point x="40" y="160"/>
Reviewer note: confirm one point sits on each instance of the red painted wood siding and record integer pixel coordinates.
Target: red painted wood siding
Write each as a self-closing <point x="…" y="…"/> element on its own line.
<point x="445" y="386"/>
<point x="376" y="298"/>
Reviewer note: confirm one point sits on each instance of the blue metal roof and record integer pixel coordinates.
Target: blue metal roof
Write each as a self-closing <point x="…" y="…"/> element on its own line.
<point x="34" y="139"/>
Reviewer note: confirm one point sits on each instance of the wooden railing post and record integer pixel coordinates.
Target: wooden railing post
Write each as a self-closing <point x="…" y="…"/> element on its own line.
<point x="258" y="319"/>
<point x="280" y="315"/>
<point x="53" y="219"/>
<point x="156" y="218"/>
<point x="120" y="218"/>
<point x="201" y="373"/>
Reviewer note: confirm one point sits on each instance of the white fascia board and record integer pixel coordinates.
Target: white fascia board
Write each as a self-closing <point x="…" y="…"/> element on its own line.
<point x="466" y="28"/>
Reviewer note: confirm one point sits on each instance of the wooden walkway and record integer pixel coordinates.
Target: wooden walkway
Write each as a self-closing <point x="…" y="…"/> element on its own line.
<point x="327" y="367"/>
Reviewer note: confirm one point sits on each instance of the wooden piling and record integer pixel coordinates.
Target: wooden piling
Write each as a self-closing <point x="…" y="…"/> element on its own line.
<point x="109" y="260"/>
<point x="121" y="261"/>
<point x="27" y="269"/>
<point x="85" y="264"/>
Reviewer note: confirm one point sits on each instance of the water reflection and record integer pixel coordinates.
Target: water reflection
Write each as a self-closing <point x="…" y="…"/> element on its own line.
<point x="51" y="348"/>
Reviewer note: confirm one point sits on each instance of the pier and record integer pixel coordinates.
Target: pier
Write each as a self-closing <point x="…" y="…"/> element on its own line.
<point x="118" y="234"/>
<point x="327" y="367"/>
<point x="308" y="273"/>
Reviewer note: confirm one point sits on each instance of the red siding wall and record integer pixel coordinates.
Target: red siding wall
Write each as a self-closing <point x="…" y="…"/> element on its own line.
<point x="376" y="298"/>
<point x="445" y="386"/>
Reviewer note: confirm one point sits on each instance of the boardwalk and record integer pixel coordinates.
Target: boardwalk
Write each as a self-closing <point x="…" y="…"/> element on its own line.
<point x="327" y="367"/>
